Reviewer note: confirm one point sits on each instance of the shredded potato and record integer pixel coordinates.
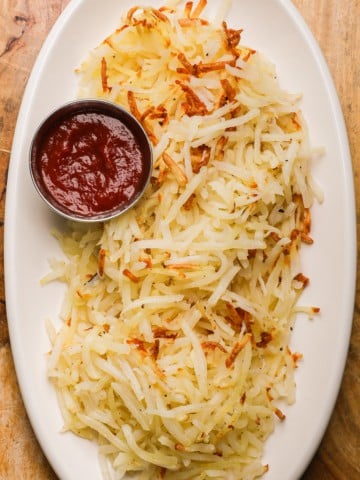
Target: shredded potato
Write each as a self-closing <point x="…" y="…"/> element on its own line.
<point x="173" y="353"/>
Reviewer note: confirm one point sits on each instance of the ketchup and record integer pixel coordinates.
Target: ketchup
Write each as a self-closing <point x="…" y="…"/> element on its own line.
<point x="90" y="163"/>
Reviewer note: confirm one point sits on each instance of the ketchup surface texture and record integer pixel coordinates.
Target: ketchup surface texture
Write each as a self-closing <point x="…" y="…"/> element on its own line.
<point x="91" y="163"/>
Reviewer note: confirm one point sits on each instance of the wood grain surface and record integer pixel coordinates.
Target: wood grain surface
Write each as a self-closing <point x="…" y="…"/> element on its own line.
<point x="24" y="25"/>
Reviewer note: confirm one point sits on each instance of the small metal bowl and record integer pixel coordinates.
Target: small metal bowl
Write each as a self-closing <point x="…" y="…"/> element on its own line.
<point x="55" y="120"/>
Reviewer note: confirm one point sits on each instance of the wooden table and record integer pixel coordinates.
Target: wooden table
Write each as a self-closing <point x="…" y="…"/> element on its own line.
<point x="23" y="28"/>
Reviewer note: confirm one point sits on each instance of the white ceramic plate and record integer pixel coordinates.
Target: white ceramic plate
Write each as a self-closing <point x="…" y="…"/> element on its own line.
<point x="276" y="28"/>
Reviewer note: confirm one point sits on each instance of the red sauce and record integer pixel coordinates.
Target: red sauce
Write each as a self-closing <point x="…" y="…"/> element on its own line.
<point x="91" y="163"/>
